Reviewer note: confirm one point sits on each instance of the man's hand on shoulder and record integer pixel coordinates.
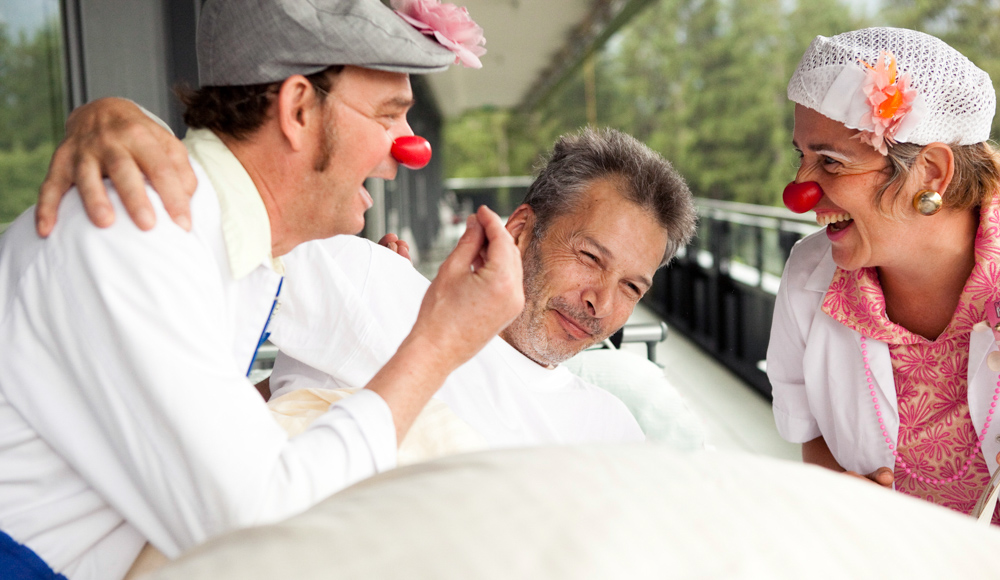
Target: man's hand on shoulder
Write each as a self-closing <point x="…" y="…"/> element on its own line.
<point x="114" y="138"/>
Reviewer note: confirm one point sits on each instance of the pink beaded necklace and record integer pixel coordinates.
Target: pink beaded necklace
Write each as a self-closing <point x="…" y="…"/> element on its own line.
<point x="892" y="446"/>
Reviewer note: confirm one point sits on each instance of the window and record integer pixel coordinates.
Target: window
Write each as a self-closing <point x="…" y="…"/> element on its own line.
<point x="32" y="105"/>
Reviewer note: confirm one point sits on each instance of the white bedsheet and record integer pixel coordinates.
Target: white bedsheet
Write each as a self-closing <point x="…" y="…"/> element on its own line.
<point x="613" y="511"/>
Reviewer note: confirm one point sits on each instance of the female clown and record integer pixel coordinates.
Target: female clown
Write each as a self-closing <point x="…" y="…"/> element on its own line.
<point x="880" y="352"/>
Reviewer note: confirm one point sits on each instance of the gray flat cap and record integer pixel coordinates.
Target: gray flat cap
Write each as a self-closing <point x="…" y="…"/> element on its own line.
<point x="248" y="42"/>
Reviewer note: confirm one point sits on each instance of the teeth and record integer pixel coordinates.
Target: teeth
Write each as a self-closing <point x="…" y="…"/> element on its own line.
<point x="825" y="219"/>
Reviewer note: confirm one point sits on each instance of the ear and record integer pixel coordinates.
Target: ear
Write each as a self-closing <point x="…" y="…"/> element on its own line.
<point x="521" y="225"/>
<point x="297" y="110"/>
<point x="937" y="167"/>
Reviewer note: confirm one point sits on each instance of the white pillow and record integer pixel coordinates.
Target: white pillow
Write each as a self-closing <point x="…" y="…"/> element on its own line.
<point x="613" y="511"/>
<point x="655" y="403"/>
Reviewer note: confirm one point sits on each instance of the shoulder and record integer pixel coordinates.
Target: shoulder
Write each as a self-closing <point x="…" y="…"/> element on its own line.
<point x="78" y="250"/>
<point x="811" y="258"/>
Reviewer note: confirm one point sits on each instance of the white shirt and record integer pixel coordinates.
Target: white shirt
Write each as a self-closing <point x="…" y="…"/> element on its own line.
<point x="817" y="373"/>
<point x="125" y="414"/>
<point x="370" y="297"/>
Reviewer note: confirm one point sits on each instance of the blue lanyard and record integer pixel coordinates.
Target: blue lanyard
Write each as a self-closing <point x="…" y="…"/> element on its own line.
<point x="19" y="562"/>
<point x="264" y="334"/>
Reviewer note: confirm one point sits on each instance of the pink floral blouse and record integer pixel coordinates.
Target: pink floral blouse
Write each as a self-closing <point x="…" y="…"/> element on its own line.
<point x="936" y="434"/>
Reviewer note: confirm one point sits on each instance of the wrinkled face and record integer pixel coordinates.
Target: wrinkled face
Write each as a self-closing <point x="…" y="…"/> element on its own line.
<point x="363" y="114"/>
<point x="583" y="277"/>
<point x="850" y="172"/>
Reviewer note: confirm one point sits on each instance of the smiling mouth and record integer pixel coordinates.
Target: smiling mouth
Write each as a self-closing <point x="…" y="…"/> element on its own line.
<point x="572" y="327"/>
<point x="834" y="221"/>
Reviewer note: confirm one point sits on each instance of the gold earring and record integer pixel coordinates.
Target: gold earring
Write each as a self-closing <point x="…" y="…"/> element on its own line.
<point x="927" y="202"/>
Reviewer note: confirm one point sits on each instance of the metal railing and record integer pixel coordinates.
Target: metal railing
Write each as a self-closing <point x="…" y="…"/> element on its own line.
<point x="720" y="290"/>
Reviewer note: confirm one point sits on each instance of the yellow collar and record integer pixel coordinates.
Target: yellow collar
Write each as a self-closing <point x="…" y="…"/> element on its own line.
<point x="245" y="225"/>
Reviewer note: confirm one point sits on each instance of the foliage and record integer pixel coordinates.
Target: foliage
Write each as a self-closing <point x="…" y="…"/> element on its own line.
<point x="21" y="172"/>
<point x="703" y="83"/>
<point x="32" y="113"/>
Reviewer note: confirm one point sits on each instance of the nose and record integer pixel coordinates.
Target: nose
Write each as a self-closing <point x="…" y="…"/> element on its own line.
<point x="402" y="129"/>
<point x="801" y="197"/>
<point x="411" y="151"/>
<point x="598" y="300"/>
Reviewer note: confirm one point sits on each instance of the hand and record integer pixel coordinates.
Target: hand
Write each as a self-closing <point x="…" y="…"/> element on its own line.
<point x="112" y="137"/>
<point x="882" y="476"/>
<point x="478" y="290"/>
<point x="395" y="244"/>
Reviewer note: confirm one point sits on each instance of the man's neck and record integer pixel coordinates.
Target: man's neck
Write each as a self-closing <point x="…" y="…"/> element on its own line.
<point x="267" y="173"/>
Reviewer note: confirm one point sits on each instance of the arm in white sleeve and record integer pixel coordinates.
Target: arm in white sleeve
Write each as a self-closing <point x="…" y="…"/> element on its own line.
<point x="786" y="360"/>
<point x="135" y="384"/>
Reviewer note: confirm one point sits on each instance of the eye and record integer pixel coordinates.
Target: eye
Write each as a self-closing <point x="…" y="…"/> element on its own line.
<point x="829" y="162"/>
<point x="634" y="289"/>
<point x="590" y="256"/>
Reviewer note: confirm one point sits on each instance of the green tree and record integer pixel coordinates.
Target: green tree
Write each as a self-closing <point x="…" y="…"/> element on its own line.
<point x="700" y="81"/>
<point x="32" y="114"/>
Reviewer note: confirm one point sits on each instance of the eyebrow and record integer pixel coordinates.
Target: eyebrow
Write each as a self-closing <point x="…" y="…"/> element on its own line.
<point x="607" y="255"/>
<point x="823" y="148"/>
<point x="397" y="103"/>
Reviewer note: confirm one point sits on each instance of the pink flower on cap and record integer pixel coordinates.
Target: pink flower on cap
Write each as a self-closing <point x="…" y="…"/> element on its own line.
<point x="450" y="25"/>
<point x="890" y="97"/>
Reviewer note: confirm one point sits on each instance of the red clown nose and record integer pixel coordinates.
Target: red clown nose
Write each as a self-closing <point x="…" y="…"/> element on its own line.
<point x="411" y="151"/>
<point x="801" y="197"/>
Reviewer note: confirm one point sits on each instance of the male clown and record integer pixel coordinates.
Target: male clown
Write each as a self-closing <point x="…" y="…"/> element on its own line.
<point x="108" y="335"/>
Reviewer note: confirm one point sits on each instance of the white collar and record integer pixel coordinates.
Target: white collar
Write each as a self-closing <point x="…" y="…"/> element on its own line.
<point x="245" y="224"/>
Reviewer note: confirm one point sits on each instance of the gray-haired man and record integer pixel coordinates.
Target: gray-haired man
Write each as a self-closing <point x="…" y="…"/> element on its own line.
<point x="121" y="346"/>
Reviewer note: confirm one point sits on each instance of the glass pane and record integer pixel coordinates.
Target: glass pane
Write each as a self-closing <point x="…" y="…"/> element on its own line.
<point x="32" y="106"/>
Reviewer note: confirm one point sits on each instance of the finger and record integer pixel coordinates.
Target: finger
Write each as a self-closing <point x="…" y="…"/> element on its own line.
<point x="173" y="179"/>
<point x="499" y="242"/>
<point x="387" y="239"/>
<point x="882" y="476"/>
<point x="501" y="254"/>
<point x="480" y="259"/>
<point x="461" y="258"/>
<point x="57" y="183"/>
<point x="93" y="194"/>
<point x="128" y="180"/>
<point x="403" y="249"/>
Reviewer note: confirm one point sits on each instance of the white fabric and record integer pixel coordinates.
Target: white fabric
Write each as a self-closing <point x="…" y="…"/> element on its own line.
<point x="956" y="100"/>
<point x="246" y="228"/>
<point x="436" y="432"/>
<point x="818" y="377"/>
<point x="656" y="404"/>
<point x="606" y="512"/>
<point x="124" y="411"/>
<point x="371" y="296"/>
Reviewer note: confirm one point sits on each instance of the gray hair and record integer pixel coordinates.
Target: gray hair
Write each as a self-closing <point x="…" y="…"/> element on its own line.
<point x="642" y="176"/>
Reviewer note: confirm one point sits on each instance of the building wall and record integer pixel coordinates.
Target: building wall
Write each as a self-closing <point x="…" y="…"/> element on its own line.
<point x="138" y="49"/>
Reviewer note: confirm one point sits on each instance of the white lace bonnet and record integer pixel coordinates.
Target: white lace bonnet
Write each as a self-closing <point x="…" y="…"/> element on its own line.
<point x="954" y="100"/>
